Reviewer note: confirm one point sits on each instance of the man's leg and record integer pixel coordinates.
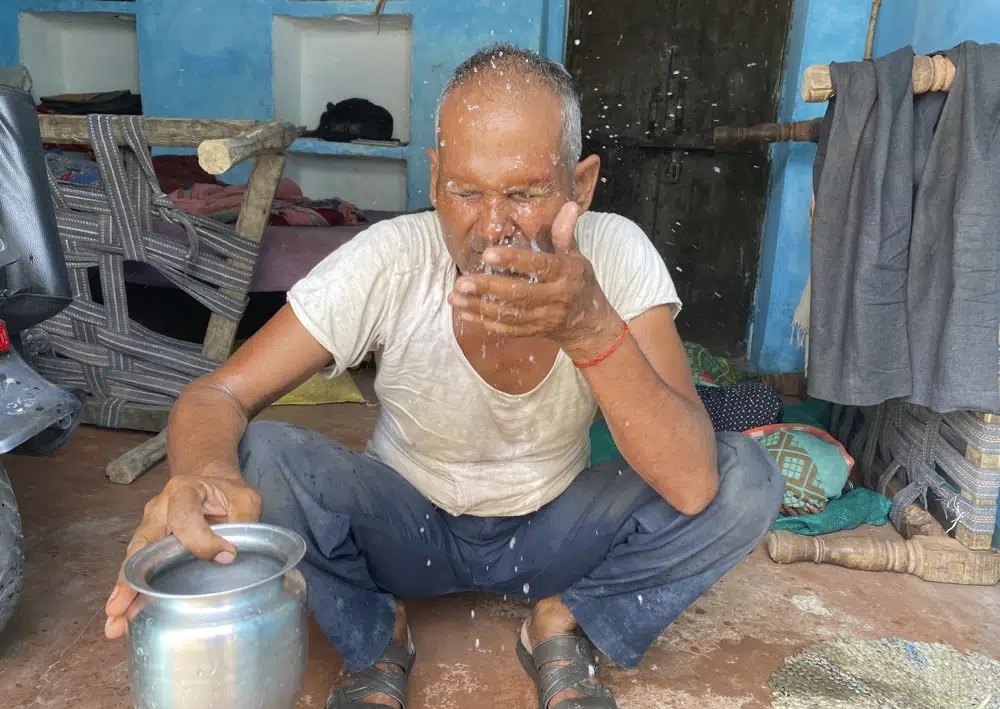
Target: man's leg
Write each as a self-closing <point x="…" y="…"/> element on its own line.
<point x="627" y="563"/>
<point x="370" y="535"/>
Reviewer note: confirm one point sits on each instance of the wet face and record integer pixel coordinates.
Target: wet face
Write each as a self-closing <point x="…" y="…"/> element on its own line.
<point x="499" y="176"/>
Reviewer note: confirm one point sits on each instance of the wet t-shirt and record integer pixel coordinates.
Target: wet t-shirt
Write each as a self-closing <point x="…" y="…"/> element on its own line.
<point x="467" y="447"/>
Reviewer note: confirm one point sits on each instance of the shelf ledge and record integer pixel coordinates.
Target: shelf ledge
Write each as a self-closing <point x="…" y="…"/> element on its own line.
<point x="122" y="7"/>
<point x="314" y="146"/>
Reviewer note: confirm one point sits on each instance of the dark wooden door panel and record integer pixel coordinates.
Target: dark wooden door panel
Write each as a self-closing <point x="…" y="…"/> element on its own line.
<point x="656" y="78"/>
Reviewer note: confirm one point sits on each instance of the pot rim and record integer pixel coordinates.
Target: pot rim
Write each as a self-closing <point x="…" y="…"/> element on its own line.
<point x="152" y="557"/>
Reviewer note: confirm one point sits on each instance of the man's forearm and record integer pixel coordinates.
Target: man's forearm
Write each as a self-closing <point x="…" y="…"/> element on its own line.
<point x="666" y="438"/>
<point x="204" y="432"/>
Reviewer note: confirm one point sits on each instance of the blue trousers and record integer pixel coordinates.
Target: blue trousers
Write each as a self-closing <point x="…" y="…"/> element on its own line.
<point x="622" y="559"/>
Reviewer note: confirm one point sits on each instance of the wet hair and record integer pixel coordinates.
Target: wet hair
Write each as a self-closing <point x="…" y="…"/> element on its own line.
<point x="525" y="64"/>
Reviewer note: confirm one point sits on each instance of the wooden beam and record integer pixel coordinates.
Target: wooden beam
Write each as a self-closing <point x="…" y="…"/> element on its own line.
<point x="251" y="223"/>
<point x="136" y="417"/>
<point x="935" y="73"/>
<point x="161" y="132"/>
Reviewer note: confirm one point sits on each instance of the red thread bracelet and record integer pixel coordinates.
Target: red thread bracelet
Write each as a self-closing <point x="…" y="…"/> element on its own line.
<point x="614" y="348"/>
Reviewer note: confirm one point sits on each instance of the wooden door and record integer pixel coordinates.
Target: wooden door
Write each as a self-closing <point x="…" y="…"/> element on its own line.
<point x="656" y="78"/>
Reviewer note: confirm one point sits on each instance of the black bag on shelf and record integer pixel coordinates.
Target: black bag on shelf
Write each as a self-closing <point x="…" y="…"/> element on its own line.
<point x="353" y="119"/>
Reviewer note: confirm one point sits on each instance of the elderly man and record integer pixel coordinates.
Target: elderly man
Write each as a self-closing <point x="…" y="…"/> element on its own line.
<point x="502" y="321"/>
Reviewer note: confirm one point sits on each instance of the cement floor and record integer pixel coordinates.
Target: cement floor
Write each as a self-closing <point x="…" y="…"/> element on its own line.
<point x="718" y="655"/>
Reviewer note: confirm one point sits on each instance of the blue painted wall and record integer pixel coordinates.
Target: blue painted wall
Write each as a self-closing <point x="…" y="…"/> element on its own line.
<point x="821" y="32"/>
<point x="930" y="25"/>
<point x="189" y="70"/>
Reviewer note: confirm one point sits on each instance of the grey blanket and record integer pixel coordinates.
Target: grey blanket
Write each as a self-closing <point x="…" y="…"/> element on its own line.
<point x="905" y="296"/>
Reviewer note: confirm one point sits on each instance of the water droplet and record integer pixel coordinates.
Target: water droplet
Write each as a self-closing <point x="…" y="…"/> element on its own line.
<point x="590" y="670"/>
<point x="513" y="541"/>
<point x="576" y="42"/>
<point x="473" y="614"/>
<point x="527" y="588"/>
<point x="477" y="643"/>
<point x="428" y="562"/>
<point x="604" y="179"/>
<point x="640" y="599"/>
<point x="421" y="530"/>
<point x="717" y="168"/>
<point x="619" y="472"/>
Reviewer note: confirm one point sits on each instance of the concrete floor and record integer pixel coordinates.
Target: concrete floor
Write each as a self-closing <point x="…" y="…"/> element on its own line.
<point x="718" y="655"/>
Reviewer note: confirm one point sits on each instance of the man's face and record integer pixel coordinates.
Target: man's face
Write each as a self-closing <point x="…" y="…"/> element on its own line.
<point x="498" y="176"/>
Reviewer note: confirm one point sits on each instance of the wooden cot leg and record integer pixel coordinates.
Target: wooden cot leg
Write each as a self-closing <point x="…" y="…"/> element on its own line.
<point x="133" y="463"/>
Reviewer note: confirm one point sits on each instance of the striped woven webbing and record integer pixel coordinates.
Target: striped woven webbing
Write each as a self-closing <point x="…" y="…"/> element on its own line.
<point x="95" y="346"/>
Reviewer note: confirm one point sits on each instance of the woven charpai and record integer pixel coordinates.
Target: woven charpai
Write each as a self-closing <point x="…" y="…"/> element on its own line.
<point x="93" y="344"/>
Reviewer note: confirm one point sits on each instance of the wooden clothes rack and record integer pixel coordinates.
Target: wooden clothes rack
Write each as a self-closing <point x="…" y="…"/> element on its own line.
<point x="930" y="74"/>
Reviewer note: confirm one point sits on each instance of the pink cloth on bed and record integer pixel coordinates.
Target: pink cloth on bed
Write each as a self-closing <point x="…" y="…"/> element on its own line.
<point x="224" y="201"/>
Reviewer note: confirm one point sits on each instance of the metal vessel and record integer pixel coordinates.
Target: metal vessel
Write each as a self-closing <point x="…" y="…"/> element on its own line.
<point x="219" y="636"/>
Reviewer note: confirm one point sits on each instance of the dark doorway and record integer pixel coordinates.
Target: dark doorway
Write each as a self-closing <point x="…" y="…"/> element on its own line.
<point x="656" y="79"/>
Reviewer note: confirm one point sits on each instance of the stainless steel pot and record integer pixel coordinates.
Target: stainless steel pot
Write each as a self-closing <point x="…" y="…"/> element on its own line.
<point x="219" y="636"/>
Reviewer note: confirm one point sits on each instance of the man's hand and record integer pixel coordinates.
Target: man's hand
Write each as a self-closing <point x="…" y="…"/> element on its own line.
<point x="185" y="508"/>
<point x="555" y="296"/>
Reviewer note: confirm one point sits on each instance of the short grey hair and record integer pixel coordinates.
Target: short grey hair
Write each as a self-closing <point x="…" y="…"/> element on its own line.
<point x="523" y="63"/>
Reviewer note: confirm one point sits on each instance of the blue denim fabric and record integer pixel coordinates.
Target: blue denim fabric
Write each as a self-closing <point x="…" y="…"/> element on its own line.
<point x="624" y="561"/>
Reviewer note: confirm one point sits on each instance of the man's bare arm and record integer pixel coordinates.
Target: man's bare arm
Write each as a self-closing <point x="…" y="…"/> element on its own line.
<point x="659" y="424"/>
<point x="209" y="418"/>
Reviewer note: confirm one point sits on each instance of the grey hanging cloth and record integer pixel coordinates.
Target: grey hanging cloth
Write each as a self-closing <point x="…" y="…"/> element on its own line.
<point x="858" y="348"/>
<point x="953" y="291"/>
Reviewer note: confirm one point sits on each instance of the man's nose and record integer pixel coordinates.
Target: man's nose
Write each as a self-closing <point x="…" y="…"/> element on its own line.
<point x="497" y="221"/>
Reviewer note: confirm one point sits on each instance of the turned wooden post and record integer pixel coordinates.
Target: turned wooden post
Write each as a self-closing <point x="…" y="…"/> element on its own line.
<point x="937" y="559"/>
<point x="799" y="131"/>
<point x="935" y="73"/>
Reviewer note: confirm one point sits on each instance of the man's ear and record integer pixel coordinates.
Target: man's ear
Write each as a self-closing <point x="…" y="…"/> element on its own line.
<point x="432" y="154"/>
<point x="585" y="176"/>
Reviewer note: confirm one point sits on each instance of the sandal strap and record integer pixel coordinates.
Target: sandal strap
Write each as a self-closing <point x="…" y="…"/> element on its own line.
<point x="400" y="655"/>
<point x="375" y="680"/>
<point x="574" y="648"/>
<point x="583" y="665"/>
